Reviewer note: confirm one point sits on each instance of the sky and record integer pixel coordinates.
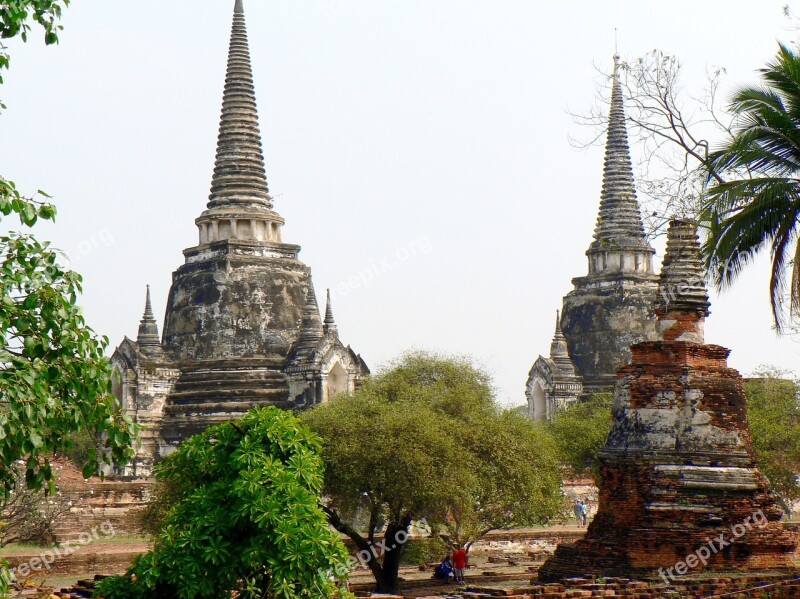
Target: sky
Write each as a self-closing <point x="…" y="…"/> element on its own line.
<point x="418" y="150"/>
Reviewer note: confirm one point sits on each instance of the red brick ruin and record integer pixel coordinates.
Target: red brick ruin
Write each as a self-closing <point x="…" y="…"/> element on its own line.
<point x="680" y="491"/>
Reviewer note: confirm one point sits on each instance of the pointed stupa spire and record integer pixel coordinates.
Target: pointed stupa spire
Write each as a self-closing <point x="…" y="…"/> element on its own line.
<point x="559" y="333"/>
<point x="558" y="347"/>
<point x="619" y="223"/>
<point x="330" y="322"/>
<point x="239" y="175"/>
<point x="311" y="329"/>
<point x="682" y="286"/>
<point x="148" y="337"/>
<point x="559" y="352"/>
<point x="682" y="302"/>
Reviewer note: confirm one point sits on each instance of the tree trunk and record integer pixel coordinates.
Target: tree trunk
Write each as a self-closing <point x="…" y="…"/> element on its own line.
<point x="386" y="573"/>
<point x="391" y="559"/>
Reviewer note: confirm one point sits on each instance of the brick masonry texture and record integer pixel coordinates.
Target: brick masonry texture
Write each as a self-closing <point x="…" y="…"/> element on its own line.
<point x="679" y="479"/>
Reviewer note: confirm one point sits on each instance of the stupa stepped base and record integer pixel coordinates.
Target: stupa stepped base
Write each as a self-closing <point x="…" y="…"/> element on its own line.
<point x="212" y="392"/>
<point x="653" y="553"/>
<point x="708" y="510"/>
<point x="214" y="382"/>
<point x="705" y="521"/>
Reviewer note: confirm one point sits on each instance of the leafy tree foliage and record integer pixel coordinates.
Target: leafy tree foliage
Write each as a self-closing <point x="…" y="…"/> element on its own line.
<point x="421" y="551"/>
<point x="518" y="478"/>
<point x="54" y="376"/>
<point x="424" y="440"/>
<point x="773" y="411"/>
<point x="165" y="494"/>
<point x="247" y="518"/>
<point x="757" y="205"/>
<point x="15" y="17"/>
<point x="580" y="432"/>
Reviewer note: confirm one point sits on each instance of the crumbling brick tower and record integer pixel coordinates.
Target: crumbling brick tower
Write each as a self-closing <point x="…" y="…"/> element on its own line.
<point x="678" y="473"/>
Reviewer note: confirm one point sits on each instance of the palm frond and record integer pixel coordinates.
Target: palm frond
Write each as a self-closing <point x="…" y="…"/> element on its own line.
<point x="752" y="195"/>
<point x="794" y="302"/>
<point x="743" y="217"/>
<point x="777" y="282"/>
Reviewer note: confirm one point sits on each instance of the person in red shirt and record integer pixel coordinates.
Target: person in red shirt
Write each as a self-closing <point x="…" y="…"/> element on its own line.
<point x="459" y="564"/>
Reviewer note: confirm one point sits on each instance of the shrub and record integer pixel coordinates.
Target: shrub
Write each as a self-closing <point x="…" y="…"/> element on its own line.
<point x="246" y="519"/>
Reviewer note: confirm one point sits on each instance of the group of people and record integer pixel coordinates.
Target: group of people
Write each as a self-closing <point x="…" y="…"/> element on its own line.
<point x="581" y="510"/>
<point x="456" y="562"/>
<point x="453" y="565"/>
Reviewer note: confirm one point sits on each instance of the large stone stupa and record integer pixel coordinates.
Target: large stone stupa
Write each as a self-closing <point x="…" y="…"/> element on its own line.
<point x="242" y="326"/>
<point x="611" y="307"/>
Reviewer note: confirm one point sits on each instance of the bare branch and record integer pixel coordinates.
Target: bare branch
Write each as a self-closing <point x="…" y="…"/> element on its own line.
<point x="670" y="132"/>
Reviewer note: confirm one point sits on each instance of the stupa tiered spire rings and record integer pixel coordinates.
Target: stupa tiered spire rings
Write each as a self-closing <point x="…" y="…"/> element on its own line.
<point x="619" y="223"/>
<point x="239" y="206"/>
<point x="148" y="337"/>
<point x="682" y="303"/>
<point x="682" y="283"/>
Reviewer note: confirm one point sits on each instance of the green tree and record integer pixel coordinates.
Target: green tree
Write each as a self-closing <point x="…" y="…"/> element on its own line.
<point x="753" y="200"/>
<point x="246" y="518"/>
<point x="425" y="441"/>
<point x="54" y="376"/>
<point x="773" y="412"/>
<point x="518" y="479"/>
<point x="580" y="432"/>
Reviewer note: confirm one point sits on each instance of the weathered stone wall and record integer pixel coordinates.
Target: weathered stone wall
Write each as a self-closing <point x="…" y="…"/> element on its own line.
<point x="116" y="502"/>
<point x="601" y="322"/>
<point x="142" y="383"/>
<point x="235" y="305"/>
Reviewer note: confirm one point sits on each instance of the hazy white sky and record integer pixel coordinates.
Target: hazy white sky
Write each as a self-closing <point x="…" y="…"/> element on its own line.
<point x="420" y="146"/>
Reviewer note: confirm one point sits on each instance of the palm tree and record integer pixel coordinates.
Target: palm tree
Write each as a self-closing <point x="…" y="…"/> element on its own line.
<point x="752" y="198"/>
